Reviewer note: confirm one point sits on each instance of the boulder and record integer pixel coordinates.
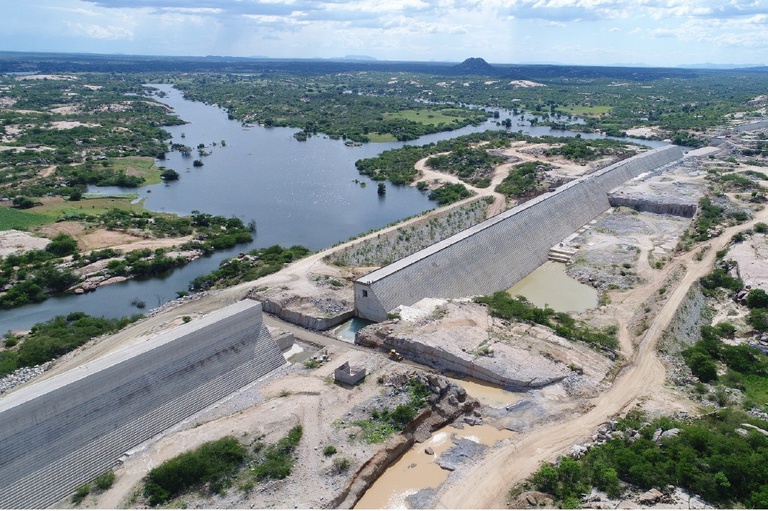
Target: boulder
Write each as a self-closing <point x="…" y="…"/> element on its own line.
<point x="650" y="497"/>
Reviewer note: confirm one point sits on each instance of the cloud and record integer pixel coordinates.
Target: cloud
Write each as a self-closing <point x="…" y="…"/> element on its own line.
<point x="111" y="32"/>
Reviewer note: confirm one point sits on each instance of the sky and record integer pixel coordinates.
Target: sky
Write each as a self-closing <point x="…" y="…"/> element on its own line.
<point x="580" y="32"/>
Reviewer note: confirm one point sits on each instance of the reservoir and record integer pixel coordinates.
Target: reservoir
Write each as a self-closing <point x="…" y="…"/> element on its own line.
<point x="297" y="193"/>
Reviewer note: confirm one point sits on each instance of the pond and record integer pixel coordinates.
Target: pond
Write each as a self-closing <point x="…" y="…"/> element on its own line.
<point x="550" y="286"/>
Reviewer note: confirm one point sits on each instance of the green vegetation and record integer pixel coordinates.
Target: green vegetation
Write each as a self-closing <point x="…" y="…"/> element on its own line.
<point x="450" y="193"/>
<point x="502" y="305"/>
<point x="101" y="483"/>
<point x="385" y="422"/>
<point x="581" y="150"/>
<point x="11" y="218"/>
<point x="213" y="463"/>
<point x="470" y="164"/>
<point x="523" y="179"/>
<point x="705" y="458"/>
<point x="51" y="339"/>
<point x="257" y="263"/>
<point x="276" y="461"/>
<point x="349" y="106"/>
<point x="397" y="165"/>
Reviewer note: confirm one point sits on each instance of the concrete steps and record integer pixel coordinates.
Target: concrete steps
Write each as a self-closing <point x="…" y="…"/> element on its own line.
<point x="561" y="254"/>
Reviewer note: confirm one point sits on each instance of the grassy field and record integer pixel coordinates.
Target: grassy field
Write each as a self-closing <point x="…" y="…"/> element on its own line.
<point x="424" y="116"/>
<point x="142" y="166"/>
<point x="378" y="137"/>
<point x="17" y="219"/>
<point x="56" y="207"/>
<point x="586" y="111"/>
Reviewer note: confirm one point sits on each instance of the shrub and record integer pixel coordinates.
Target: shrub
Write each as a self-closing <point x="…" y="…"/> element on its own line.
<point x="329" y="450"/>
<point x="341" y="464"/>
<point x="105" y="480"/>
<point x="212" y="463"/>
<point x="757" y="299"/>
<point x="277" y="459"/>
<point x="62" y="245"/>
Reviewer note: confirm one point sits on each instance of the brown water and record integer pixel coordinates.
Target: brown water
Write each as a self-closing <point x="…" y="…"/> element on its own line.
<point x="416" y="470"/>
<point x="489" y="395"/>
<point x="549" y="285"/>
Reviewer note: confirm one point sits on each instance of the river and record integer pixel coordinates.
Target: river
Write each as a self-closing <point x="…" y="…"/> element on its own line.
<point x="297" y="193"/>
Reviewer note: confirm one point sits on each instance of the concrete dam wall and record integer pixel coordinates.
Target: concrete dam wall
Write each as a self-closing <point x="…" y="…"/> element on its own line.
<point x="63" y="431"/>
<point x="495" y="254"/>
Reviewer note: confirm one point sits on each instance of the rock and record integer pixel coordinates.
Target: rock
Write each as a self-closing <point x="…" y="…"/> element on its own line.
<point x="670" y="433"/>
<point x="473" y="421"/>
<point x="652" y="496"/>
<point x="657" y="435"/>
<point x="429" y="451"/>
<point x="617" y="434"/>
<point x="452" y="400"/>
<point x="530" y="499"/>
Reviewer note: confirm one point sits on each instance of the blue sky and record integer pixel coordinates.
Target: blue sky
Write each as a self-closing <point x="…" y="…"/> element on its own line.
<point x="588" y="32"/>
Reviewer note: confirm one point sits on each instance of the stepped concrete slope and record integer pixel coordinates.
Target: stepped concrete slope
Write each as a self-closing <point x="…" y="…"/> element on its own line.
<point x="495" y="254"/>
<point x="64" y="431"/>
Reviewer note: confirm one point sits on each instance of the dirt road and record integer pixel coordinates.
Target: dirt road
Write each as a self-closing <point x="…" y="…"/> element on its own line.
<point x="485" y="485"/>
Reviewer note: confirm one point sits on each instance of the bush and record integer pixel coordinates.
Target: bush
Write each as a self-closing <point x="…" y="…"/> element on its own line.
<point x="329" y="450"/>
<point x="62" y="245"/>
<point x="757" y="299"/>
<point x="341" y="465"/>
<point x="104" y="481"/>
<point x="277" y="459"/>
<point x="212" y="463"/>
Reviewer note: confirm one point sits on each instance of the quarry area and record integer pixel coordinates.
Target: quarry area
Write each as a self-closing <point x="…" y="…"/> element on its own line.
<point x="505" y="396"/>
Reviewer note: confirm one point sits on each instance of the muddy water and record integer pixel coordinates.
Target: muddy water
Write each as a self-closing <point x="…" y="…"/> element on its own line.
<point x="550" y="285"/>
<point x="488" y="395"/>
<point x="416" y="470"/>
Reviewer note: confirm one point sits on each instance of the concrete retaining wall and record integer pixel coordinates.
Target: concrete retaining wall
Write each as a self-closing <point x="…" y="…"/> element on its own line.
<point x="64" y="431"/>
<point x="500" y="251"/>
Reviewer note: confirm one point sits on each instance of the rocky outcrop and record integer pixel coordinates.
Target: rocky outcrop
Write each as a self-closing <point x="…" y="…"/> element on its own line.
<point x="305" y="320"/>
<point x="654" y="202"/>
<point x="449" y="402"/>
<point x="497" y="363"/>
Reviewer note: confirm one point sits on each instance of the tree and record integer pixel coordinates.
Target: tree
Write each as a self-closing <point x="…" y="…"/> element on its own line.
<point x="22" y="202"/>
<point x="757" y="299"/>
<point x="382" y="190"/>
<point x="62" y="245"/>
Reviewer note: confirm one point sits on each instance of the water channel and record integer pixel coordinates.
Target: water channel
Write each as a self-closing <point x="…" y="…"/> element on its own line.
<point x="296" y="192"/>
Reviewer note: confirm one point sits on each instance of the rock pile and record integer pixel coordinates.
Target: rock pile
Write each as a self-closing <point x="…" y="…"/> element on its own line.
<point x="22" y="375"/>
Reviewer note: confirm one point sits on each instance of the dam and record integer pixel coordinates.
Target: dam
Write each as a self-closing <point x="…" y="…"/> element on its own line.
<point x="496" y="253"/>
<point x="64" y="431"/>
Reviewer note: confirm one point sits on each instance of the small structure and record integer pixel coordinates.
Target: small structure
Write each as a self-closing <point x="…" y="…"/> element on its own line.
<point x="348" y="374"/>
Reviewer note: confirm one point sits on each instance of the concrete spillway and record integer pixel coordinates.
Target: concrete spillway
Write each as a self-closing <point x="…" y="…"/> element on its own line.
<point x="64" y="431"/>
<point x="497" y="253"/>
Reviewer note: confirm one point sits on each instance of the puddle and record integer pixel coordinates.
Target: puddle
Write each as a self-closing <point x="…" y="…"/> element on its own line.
<point x="487" y="394"/>
<point x="347" y="330"/>
<point x="416" y="470"/>
<point x="549" y="285"/>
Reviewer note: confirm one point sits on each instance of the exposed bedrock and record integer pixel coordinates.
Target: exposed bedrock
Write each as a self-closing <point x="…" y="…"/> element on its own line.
<point x="306" y="319"/>
<point x="659" y="203"/>
<point x="456" y="350"/>
<point x="450" y="401"/>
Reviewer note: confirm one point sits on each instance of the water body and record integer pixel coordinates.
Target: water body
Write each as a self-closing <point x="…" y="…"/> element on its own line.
<point x="416" y="470"/>
<point x="347" y="330"/>
<point x="549" y="285"/>
<point x="297" y="192"/>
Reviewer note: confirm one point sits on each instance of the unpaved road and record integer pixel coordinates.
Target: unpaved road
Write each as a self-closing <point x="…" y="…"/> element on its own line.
<point x="485" y="485"/>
